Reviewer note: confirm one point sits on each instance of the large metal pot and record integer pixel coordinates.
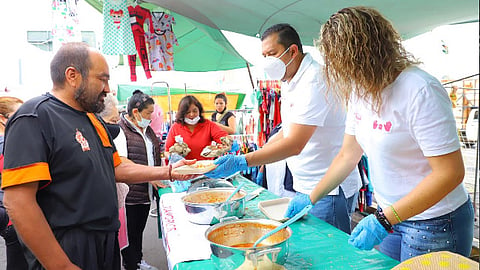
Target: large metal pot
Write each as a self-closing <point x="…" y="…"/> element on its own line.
<point x="205" y="183"/>
<point x="208" y="206"/>
<point x="231" y="243"/>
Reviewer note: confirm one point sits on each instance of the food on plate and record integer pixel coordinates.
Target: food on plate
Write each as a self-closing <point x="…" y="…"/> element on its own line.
<point x="218" y="149"/>
<point x="212" y="197"/>
<point x="179" y="147"/>
<point x="200" y="167"/>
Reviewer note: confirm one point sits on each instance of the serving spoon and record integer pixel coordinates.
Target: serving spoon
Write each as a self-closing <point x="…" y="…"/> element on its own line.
<point x="235" y="191"/>
<point x="284" y="225"/>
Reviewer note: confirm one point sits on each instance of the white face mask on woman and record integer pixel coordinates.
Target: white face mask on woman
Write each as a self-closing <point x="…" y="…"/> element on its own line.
<point x="143" y="123"/>
<point x="274" y="66"/>
<point x="193" y="121"/>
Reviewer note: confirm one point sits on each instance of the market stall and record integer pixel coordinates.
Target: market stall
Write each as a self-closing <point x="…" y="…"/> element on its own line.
<point x="160" y="95"/>
<point x="187" y="248"/>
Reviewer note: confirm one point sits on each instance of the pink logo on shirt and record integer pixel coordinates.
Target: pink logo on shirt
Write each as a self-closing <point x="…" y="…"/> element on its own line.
<point x="386" y="126"/>
<point x="358" y="116"/>
<point x="82" y="141"/>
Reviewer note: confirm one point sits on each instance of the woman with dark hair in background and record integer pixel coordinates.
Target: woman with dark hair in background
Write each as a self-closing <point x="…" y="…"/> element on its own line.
<point x="224" y="118"/>
<point x="15" y="258"/>
<point x="196" y="131"/>
<point x="143" y="148"/>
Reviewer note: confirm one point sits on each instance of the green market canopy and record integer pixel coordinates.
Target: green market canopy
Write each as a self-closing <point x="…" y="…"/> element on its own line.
<point x="252" y="17"/>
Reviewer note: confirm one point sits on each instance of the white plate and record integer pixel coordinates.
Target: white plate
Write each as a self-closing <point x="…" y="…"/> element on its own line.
<point x="275" y="209"/>
<point x="200" y="167"/>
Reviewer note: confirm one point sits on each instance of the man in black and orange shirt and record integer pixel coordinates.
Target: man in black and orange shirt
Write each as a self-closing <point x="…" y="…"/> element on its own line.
<point x="61" y="166"/>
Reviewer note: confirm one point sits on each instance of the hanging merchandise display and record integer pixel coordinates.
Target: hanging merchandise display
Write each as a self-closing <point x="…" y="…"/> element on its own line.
<point x="268" y="98"/>
<point x="65" y="23"/>
<point x="161" y="41"/>
<point x="117" y="32"/>
<point x="138" y="17"/>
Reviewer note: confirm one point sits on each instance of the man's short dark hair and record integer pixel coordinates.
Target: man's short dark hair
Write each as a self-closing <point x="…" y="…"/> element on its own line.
<point x="287" y="35"/>
<point x="73" y="54"/>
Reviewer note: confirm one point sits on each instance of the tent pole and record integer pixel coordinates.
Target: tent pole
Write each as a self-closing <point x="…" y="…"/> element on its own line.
<point x="250" y="75"/>
<point x="169" y="99"/>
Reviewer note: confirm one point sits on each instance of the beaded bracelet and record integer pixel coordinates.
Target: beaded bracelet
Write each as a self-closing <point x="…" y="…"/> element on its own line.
<point x="170" y="172"/>
<point x="396" y="214"/>
<point x="383" y="221"/>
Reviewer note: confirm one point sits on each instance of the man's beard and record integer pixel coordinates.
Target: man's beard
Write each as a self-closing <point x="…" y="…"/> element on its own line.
<point x="87" y="101"/>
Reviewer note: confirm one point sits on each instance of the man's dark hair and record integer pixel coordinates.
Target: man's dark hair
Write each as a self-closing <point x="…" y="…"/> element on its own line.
<point x="73" y="54"/>
<point x="183" y="107"/>
<point x="138" y="100"/>
<point x="287" y="35"/>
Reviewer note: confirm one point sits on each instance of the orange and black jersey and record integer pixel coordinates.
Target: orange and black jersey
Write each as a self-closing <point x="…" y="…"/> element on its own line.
<point x="71" y="155"/>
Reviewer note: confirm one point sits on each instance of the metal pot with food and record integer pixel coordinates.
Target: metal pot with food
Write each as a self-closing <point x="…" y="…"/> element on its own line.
<point x="232" y="243"/>
<point x="208" y="206"/>
<point x="206" y="183"/>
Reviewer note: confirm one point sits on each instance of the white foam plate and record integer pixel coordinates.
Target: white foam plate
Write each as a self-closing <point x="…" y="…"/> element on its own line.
<point x="275" y="209"/>
<point x="200" y="167"/>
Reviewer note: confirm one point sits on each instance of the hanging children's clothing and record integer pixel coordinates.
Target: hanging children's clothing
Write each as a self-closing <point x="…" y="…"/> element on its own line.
<point x="161" y="41"/>
<point x="65" y="23"/>
<point x="139" y="16"/>
<point x="117" y="33"/>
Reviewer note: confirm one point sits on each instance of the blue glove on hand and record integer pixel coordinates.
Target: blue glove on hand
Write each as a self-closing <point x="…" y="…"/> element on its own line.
<point x="174" y="157"/>
<point x="235" y="147"/>
<point x="180" y="186"/>
<point x="297" y="204"/>
<point x="368" y="233"/>
<point x="228" y="165"/>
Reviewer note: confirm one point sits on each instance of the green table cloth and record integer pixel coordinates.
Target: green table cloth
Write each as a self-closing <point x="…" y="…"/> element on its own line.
<point x="314" y="244"/>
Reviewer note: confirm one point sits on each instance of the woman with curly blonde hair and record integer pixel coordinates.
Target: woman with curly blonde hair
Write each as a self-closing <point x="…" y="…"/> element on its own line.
<point x="401" y="118"/>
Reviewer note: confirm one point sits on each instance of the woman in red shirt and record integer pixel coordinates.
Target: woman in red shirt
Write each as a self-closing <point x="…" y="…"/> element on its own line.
<point x="196" y="131"/>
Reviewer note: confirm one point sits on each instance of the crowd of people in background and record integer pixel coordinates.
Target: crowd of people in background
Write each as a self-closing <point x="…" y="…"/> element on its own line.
<point x="79" y="189"/>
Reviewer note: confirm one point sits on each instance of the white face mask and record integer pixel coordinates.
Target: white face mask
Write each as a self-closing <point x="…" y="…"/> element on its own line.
<point x="143" y="123"/>
<point x="274" y="67"/>
<point x="193" y="121"/>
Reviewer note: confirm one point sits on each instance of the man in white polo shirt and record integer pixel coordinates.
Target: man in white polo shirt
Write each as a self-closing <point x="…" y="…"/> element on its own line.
<point x="313" y="128"/>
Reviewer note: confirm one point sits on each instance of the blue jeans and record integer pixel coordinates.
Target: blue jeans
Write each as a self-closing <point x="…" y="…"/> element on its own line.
<point x="336" y="210"/>
<point x="451" y="232"/>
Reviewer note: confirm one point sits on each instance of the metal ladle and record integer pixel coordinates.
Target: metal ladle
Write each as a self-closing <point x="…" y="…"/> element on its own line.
<point x="284" y="225"/>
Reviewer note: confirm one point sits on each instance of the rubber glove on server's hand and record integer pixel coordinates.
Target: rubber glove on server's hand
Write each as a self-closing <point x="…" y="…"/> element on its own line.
<point x="368" y="233"/>
<point x="297" y="204"/>
<point x="228" y="165"/>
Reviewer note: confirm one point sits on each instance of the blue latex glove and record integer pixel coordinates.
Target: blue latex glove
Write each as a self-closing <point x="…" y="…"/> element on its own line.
<point x="180" y="186"/>
<point x="368" y="233"/>
<point x="297" y="204"/>
<point x="228" y="165"/>
<point x="235" y="147"/>
<point x="259" y="179"/>
<point x="174" y="157"/>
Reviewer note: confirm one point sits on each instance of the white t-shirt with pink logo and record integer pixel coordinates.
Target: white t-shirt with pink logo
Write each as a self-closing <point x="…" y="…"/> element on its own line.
<point x="416" y="121"/>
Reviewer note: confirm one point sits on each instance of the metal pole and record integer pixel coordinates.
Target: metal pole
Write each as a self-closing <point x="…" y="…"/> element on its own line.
<point x="250" y="75"/>
<point x="169" y="99"/>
